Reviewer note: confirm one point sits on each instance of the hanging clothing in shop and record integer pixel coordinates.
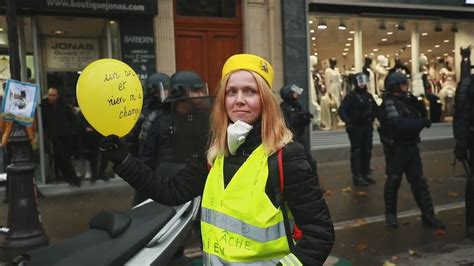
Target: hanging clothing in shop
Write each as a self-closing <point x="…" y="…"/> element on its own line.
<point x="333" y="83"/>
<point x="329" y="117"/>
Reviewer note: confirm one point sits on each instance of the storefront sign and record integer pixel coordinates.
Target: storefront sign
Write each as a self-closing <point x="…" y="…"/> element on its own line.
<point x="19" y="102"/>
<point x="70" y="54"/>
<point x="101" y="7"/>
<point x="138" y="45"/>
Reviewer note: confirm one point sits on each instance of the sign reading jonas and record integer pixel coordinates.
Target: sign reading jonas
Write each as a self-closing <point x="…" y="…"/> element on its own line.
<point x="70" y="54"/>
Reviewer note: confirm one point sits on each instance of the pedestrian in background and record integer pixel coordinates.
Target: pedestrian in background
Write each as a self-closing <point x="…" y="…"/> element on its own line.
<point x="358" y="111"/>
<point x="59" y="128"/>
<point x="235" y="180"/>
<point x="402" y="117"/>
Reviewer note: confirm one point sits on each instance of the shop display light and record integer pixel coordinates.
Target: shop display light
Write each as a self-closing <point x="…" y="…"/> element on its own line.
<point x="322" y="25"/>
<point x="2" y="29"/>
<point x="389" y="32"/>
<point x="446" y="41"/>
<point x="342" y="25"/>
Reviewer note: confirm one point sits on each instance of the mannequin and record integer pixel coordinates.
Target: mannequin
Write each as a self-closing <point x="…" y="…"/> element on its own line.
<point x="435" y="106"/>
<point x="399" y="67"/>
<point x="333" y="81"/>
<point x="313" y="91"/>
<point x="367" y="69"/>
<point x="424" y="74"/>
<point x="381" y="73"/>
<point x="329" y="117"/>
<point x="448" y="89"/>
<point x="4" y="72"/>
<point x="418" y="84"/>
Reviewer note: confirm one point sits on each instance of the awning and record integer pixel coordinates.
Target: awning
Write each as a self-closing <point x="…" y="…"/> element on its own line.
<point x="398" y="10"/>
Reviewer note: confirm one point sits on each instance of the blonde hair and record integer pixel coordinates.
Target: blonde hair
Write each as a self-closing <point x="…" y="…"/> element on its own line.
<point x="275" y="134"/>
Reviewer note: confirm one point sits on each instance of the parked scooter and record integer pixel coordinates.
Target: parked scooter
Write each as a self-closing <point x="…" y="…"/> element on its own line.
<point x="148" y="234"/>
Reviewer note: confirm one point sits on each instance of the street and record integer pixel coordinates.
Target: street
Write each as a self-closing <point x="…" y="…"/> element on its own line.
<point x="357" y="213"/>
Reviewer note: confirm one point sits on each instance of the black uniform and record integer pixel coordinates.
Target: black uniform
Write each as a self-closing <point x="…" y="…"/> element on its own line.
<point x="358" y="111"/>
<point x="156" y="139"/>
<point x="297" y="120"/>
<point x="402" y="118"/>
<point x="463" y="128"/>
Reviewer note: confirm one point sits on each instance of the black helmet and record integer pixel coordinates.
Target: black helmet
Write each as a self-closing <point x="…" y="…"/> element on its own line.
<point x="153" y="81"/>
<point x="184" y="81"/>
<point x="287" y="90"/>
<point x="394" y="81"/>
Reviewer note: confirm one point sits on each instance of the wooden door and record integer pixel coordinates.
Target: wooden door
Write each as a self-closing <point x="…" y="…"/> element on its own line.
<point x="204" y="43"/>
<point x="192" y="53"/>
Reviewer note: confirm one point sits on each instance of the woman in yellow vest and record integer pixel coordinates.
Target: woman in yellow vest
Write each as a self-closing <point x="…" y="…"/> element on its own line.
<point x="243" y="221"/>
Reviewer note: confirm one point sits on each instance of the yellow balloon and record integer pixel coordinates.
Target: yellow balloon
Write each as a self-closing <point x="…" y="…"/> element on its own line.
<point x="110" y="96"/>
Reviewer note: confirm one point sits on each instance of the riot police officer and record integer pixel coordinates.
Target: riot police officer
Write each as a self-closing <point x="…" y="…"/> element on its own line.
<point x="402" y="117"/>
<point x="158" y="143"/>
<point x="358" y="111"/>
<point x="463" y="129"/>
<point x="297" y="119"/>
<point x="155" y="91"/>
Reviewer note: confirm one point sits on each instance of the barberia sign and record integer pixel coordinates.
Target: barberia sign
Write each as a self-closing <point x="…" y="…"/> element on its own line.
<point x="70" y="54"/>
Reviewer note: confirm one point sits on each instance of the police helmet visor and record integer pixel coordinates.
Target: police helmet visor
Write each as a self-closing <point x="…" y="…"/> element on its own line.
<point x="296" y="89"/>
<point x="362" y="80"/>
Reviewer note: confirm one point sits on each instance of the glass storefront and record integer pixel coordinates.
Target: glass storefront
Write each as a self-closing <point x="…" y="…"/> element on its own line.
<point x="55" y="50"/>
<point x="341" y="45"/>
<point x="56" y="41"/>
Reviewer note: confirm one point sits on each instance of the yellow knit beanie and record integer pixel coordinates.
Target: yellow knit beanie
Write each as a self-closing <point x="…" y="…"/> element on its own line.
<point x="249" y="62"/>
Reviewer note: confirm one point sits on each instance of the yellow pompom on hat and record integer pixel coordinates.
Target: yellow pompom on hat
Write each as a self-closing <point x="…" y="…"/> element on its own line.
<point x="249" y="62"/>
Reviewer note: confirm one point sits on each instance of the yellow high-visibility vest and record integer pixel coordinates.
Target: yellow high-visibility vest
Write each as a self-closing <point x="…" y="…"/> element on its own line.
<point x="239" y="223"/>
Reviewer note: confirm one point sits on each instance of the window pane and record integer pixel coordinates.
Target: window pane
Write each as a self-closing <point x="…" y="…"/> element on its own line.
<point x="206" y="8"/>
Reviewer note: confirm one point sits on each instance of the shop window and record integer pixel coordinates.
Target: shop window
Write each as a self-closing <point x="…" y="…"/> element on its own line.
<point x="437" y="67"/>
<point x="206" y="8"/>
<point x="386" y="47"/>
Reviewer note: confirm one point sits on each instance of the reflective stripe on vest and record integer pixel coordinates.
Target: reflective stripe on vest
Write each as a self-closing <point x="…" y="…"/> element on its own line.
<point x="239" y="223"/>
<point x="237" y="226"/>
